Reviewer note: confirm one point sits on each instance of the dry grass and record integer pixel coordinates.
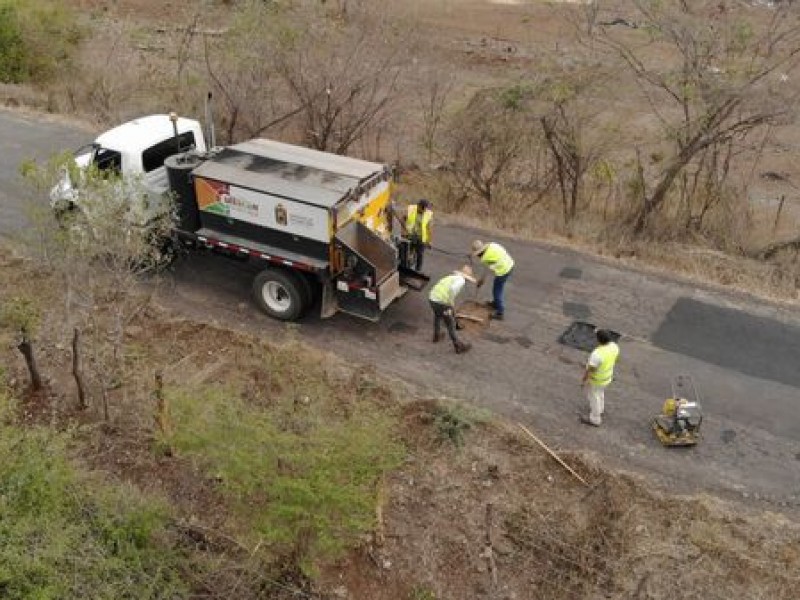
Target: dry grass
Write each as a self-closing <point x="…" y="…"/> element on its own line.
<point x="616" y="539"/>
<point x="597" y="234"/>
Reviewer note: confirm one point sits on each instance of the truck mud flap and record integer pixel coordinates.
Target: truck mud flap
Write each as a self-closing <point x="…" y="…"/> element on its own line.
<point x="369" y="303"/>
<point x="413" y="279"/>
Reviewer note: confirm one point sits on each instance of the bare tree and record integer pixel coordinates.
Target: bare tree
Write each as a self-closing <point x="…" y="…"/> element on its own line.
<point x="241" y="72"/>
<point x="711" y="76"/>
<point x="439" y="86"/>
<point x="567" y="117"/>
<point x="99" y="250"/>
<point x="343" y="76"/>
<point x="489" y="139"/>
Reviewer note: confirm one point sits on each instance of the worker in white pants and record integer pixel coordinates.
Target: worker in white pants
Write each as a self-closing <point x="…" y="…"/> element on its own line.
<point x="599" y="373"/>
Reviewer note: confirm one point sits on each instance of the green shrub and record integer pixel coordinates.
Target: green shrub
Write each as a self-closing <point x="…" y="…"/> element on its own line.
<point x="306" y="484"/>
<point x="37" y="37"/>
<point x="65" y="536"/>
<point x="453" y="420"/>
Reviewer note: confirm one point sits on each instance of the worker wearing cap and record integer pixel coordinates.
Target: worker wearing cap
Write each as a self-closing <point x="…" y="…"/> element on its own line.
<point x="499" y="261"/>
<point x="598" y="374"/>
<point x="418" y="229"/>
<point x="443" y="303"/>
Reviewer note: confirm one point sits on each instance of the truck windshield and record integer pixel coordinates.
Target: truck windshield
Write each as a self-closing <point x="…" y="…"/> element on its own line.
<point x="108" y="160"/>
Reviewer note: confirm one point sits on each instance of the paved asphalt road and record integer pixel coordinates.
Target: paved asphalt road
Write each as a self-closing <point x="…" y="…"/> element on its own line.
<point x="743" y="354"/>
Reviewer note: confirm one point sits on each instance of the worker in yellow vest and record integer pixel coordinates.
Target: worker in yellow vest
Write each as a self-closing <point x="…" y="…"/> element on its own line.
<point x="598" y="374"/>
<point x="418" y="229"/>
<point x="499" y="261"/>
<point x="443" y="303"/>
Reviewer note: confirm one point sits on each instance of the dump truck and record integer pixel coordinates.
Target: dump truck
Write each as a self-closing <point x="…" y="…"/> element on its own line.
<point x="319" y="226"/>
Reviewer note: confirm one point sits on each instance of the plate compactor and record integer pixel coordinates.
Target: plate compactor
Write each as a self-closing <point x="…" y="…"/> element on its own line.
<point x="681" y="416"/>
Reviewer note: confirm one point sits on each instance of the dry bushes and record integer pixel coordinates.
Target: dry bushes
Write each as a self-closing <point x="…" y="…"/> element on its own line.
<point x="37" y="40"/>
<point x="626" y="542"/>
<point x="552" y="538"/>
<point x="614" y="139"/>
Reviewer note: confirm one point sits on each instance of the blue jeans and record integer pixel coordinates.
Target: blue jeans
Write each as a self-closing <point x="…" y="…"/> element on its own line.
<point x="498" y="286"/>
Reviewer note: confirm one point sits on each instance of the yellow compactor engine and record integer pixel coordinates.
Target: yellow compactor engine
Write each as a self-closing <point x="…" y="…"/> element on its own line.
<point x="681" y="415"/>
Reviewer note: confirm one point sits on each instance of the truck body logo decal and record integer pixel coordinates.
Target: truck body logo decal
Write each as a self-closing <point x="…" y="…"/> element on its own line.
<point x="281" y="216"/>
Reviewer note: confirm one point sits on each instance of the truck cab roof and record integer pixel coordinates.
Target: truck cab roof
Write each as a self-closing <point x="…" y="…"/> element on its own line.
<point x="136" y="136"/>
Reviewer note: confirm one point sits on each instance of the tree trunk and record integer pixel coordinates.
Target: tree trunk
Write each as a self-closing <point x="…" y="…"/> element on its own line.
<point x="660" y="193"/>
<point x="552" y="143"/>
<point x="77" y="371"/>
<point x="575" y="183"/>
<point x="163" y="418"/>
<point x="104" y="396"/>
<point x="26" y="349"/>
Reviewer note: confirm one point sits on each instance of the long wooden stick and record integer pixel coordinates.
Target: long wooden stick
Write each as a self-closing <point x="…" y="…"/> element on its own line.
<point x="469" y="317"/>
<point x="553" y="454"/>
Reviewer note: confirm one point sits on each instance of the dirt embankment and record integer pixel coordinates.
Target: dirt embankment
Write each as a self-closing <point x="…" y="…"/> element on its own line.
<point x="498" y="518"/>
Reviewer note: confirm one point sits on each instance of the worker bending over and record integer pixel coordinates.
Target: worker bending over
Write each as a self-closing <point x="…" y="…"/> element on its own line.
<point x="443" y="303"/>
<point x="418" y="229"/>
<point x="598" y="374"/>
<point x="495" y="257"/>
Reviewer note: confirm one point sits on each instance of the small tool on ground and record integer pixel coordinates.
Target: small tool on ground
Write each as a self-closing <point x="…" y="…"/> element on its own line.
<point x="465" y="316"/>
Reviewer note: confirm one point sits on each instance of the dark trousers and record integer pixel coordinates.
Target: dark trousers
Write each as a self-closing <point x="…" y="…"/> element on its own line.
<point x="443" y="312"/>
<point x="498" y="287"/>
<point x="419" y="253"/>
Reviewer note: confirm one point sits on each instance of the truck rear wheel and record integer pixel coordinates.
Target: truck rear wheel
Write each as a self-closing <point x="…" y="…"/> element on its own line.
<point x="279" y="294"/>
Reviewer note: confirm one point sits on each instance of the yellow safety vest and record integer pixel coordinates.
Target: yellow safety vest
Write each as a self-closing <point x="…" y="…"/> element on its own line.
<point x="422" y="228"/>
<point x="604" y="373"/>
<point x="497" y="259"/>
<point x="442" y="292"/>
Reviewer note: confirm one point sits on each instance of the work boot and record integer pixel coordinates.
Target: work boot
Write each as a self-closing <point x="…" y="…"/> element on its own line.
<point x="585" y="420"/>
<point x="437" y="337"/>
<point x="462" y="347"/>
<point x="497" y="316"/>
<point x="490" y="304"/>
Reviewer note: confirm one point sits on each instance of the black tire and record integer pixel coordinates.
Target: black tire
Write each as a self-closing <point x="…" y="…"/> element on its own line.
<point x="280" y="294"/>
<point x="305" y="289"/>
<point x="316" y="288"/>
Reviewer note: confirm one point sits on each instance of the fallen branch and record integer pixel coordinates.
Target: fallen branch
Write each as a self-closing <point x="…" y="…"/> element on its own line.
<point x="553" y="454"/>
<point x="211" y="538"/>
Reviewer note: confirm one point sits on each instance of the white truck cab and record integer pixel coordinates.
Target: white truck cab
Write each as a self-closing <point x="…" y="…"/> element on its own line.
<point x="137" y="148"/>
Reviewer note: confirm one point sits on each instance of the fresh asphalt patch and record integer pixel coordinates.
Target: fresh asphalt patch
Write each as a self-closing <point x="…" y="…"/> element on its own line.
<point x="571" y="273"/>
<point x="576" y="310"/>
<point x="582" y="336"/>
<point x="732" y="339"/>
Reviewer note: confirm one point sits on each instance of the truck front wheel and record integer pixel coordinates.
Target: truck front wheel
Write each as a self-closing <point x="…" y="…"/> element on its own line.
<point x="279" y="294"/>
